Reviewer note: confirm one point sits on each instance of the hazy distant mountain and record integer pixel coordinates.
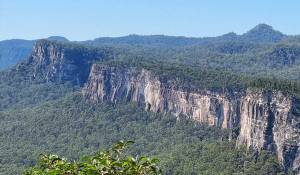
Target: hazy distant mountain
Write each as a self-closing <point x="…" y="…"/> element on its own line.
<point x="260" y="33"/>
<point x="31" y="120"/>
<point x="11" y="51"/>
<point x="15" y="50"/>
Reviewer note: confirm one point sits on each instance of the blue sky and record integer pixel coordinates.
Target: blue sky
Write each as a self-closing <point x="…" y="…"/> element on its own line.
<point x="89" y="19"/>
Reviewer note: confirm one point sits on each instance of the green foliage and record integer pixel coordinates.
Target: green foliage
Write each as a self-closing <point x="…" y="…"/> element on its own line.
<point x="217" y="81"/>
<point x="267" y="59"/>
<point x="20" y="89"/>
<point x="293" y="39"/>
<point x="290" y="87"/>
<point x="20" y="96"/>
<point x="263" y="33"/>
<point x="28" y="83"/>
<point x="279" y="60"/>
<point x="35" y="117"/>
<point x="260" y="33"/>
<point x="218" y="158"/>
<point x="261" y="59"/>
<point x="265" y="164"/>
<point x="106" y="162"/>
<point x="72" y="127"/>
<point x="230" y="52"/>
<point x="14" y="51"/>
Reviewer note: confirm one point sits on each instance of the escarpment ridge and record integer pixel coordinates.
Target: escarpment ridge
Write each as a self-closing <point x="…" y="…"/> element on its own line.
<point x="268" y="120"/>
<point x="54" y="61"/>
<point x="266" y="110"/>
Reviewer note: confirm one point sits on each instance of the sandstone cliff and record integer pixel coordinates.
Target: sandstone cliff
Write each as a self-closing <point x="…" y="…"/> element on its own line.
<point x="270" y="121"/>
<point x="267" y="120"/>
<point x="53" y="61"/>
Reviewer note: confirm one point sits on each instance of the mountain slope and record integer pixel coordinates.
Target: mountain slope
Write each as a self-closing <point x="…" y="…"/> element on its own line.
<point x="263" y="33"/>
<point x="16" y="50"/>
<point x="292" y="39"/>
<point x="260" y="33"/>
<point x="11" y="51"/>
<point x="54" y="70"/>
<point x="265" y="111"/>
<point x="73" y="127"/>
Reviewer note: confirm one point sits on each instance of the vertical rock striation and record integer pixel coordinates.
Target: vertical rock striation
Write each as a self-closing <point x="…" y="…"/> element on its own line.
<point x="53" y="61"/>
<point x="268" y="120"/>
<point x="115" y="84"/>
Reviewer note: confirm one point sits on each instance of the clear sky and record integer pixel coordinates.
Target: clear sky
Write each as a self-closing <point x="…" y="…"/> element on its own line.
<point x="89" y="19"/>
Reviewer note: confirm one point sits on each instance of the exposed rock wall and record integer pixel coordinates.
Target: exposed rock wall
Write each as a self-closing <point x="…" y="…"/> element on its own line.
<point x="54" y="61"/>
<point x="110" y="83"/>
<point x="51" y="60"/>
<point x="267" y="120"/>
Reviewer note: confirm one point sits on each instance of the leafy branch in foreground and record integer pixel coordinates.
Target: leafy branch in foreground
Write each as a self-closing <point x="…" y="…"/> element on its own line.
<point x="106" y="162"/>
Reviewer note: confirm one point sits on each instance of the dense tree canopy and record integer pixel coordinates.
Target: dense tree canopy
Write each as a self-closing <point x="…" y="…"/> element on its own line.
<point x="71" y="127"/>
<point x="41" y="116"/>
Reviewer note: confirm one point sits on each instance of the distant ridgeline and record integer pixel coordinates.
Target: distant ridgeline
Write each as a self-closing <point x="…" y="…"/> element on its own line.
<point x="55" y="61"/>
<point x="16" y="50"/>
<point x="13" y="51"/>
<point x="263" y="116"/>
<point x="58" y="63"/>
<point x="260" y="33"/>
<point x="52" y="70"/>
<point x="262" y="51"/>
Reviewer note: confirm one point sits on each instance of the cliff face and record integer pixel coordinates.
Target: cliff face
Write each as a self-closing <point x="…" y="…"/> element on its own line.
<point x="110" y="83"/>
<point x="267" y="120"/>
<point x="54" y="61"/>
<point x="270" y="121"/>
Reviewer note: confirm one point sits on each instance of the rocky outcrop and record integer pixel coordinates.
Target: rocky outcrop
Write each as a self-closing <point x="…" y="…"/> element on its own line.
<point x="114" y="84"/>
<point x="53" y="61"/>
<point x="267" y="120"/>
<point x="270" y="121"/>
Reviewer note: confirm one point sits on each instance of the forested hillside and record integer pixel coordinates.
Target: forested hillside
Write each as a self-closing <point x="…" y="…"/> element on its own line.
<point x="255" y="39"/>
<point x="71" y="127"/>
<point x="33" y="81"/>
<point x="17" y="50"/>
<point x="215" y="81"/>
<point x="279" y="60"/>
<point x="260" y="33"/>
<point x="43" y="111"/>
<point x="13" y="51"/>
